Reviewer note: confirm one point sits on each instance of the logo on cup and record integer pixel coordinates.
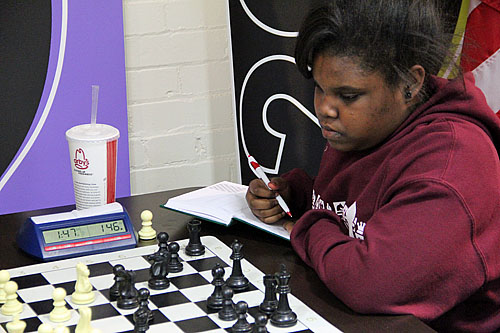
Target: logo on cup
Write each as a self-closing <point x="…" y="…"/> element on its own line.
<point x="80" y="161"/>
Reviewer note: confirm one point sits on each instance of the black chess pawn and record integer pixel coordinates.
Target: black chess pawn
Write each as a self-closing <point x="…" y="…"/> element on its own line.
<point x="158" y="271"/>
<point x="194" y="247"/>
<point x="128" y="292"/>
<point x="143" y="310"/>
<point x="174" y="264"/>
<point x="242" y="324"/>
<point x="114" y="291"/>
<point x="227" y="312"/>
<point x="270" y="302"/>
<point x="283" y="316"/>
<point x="162" y="239"/>
<point x="260" y="323"/>
<point x="237" y="281"/>
<point x="215" y="300"/>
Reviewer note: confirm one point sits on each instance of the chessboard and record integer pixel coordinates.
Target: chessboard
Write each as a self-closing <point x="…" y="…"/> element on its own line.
<point x="182" y="307"/>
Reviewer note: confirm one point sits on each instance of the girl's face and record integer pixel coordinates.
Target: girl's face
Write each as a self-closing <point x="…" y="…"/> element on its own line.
<point x="356" y="109"/>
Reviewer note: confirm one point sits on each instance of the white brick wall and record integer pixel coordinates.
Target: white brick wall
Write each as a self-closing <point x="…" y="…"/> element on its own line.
<point x="181" y="122"/>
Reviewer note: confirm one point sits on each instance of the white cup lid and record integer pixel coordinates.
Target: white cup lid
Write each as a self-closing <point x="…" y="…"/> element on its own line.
<point x="96" y="132"/>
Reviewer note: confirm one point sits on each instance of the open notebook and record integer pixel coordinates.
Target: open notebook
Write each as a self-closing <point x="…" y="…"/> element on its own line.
<point x="222" y="203"/>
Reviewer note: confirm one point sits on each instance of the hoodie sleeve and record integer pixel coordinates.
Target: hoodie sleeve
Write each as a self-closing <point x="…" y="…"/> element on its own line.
<point x="406" y="263"/>
<point x="301" y="190"/>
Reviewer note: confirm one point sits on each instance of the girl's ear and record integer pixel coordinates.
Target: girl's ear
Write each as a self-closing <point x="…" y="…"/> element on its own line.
<point x="412" y="90"/>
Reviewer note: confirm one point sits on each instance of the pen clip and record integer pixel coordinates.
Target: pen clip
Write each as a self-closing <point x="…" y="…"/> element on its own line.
<point x="251" y="162"/>
<point x="254" y="165"/>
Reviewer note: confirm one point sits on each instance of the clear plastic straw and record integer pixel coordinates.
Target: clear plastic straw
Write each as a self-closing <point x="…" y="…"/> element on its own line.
<point x="95" y="95"/>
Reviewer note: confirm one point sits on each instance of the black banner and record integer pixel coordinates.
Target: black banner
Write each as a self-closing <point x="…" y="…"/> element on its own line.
<point x="24" y="50"/>
<point x="274" y="102"/>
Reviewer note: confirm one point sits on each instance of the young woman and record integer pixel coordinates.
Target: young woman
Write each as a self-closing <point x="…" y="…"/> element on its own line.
<point x="404" y="214"/>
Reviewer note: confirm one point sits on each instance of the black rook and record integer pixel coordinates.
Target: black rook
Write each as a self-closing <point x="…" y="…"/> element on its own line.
<point x="194" y="247"/>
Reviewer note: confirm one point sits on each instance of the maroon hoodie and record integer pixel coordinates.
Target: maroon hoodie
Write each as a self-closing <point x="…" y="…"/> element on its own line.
<point x="412" y="226"/>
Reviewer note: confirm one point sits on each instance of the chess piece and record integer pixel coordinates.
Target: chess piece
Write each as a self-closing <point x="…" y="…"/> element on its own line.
<point x="175" y="264"/>
<point x="144" y="301"/>
<point x="45" y="328"/>
<point x="158" y="271"/>
<point x="283" y="316"/>
<point x="11" y="305"/>
<point x="260" y="323"/>
<point x="227" y="312"/>
<point x="61" y="329"/>
<point x="60" y="312"/>
<point x="143" y="316"/>
<point x="215" y="300"/>
<point x="242" y="324"/>
<point x="147" y="232"/>
<point x="194" y="247"/>
<point x="141" y="323"/>
<point x="114" y="291"/>
<point x="237" y="281"/>
<point x="270" y="303"/>
<point x="4" y="277"/>
<point x="83" y="325"/>
<point x="83" y="293"/>
<point x="16" y="325"/>
<point x="128" y="292"/>
<point x="162" y="239"/>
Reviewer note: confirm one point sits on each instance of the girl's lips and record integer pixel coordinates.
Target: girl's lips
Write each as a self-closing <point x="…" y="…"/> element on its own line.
<point x="330" y="134"/>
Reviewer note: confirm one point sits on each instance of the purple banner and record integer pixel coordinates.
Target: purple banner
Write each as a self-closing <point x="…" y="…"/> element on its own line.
<point x="86" y="48"/>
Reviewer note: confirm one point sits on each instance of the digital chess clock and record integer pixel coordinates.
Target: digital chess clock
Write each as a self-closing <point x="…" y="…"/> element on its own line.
<point x="80" y="232"/>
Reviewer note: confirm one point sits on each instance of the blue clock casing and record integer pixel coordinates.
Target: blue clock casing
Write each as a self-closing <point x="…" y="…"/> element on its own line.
<point x="89" y="231"/>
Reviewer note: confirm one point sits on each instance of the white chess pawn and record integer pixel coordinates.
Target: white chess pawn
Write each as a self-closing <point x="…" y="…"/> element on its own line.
<point x="83" y="289"/>
<point x="147" y="232"/>
<point x="60" y="312"/>
<point x="12" y="305"/>
<point x="16" y="325"/>
<point x="45" y="328"/>
<point x="4" y="277"/>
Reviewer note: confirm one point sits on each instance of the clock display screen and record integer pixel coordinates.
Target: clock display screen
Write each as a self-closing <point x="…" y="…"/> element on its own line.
<point x="83" y="231"/>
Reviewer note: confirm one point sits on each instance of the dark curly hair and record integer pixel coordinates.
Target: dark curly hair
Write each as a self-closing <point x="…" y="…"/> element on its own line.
<point x="388" y="36"/>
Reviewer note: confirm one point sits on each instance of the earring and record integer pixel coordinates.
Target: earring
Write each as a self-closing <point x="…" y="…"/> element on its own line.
<point x="408" y="93"/>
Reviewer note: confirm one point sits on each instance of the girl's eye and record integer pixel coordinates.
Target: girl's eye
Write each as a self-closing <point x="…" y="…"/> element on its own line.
<point x="349" y="97"/>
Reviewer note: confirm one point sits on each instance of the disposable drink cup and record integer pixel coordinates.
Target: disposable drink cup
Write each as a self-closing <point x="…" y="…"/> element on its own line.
<point x="92" y="150"/>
